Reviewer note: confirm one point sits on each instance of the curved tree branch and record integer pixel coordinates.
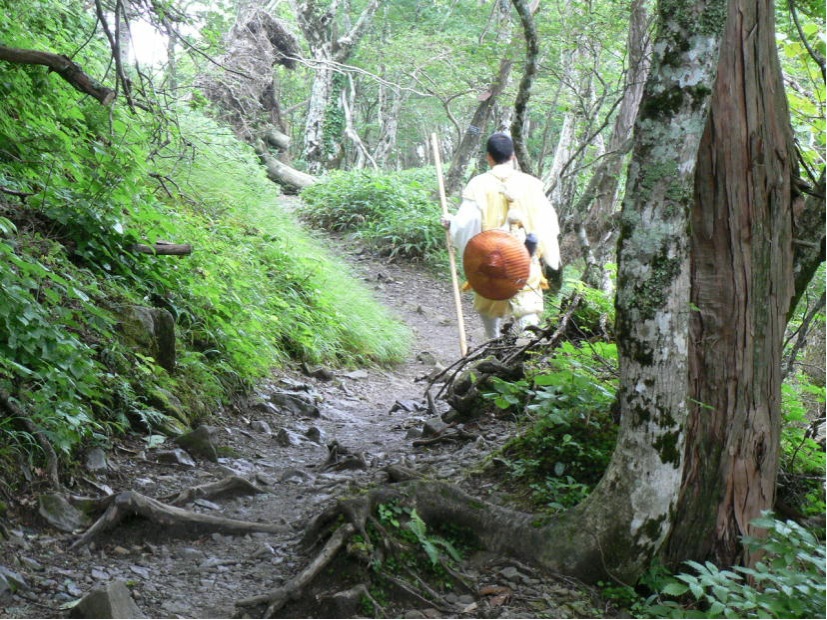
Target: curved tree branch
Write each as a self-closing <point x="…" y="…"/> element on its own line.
<point x="63" y="66"/>
<point x="814" y="53"/>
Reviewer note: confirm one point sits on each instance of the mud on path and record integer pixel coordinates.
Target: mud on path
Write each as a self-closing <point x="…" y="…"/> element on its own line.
<point x="371" y="414"/>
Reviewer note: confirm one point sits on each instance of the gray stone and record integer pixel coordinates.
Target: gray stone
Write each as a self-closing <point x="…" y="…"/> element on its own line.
<point x="31" y="563"/>
<point x="261" y="426"/>
<point x="111" y="601"/>
<point x="190" y="553"/>
<point x="11" y="581"/>
<point x="176" y="457"/>
<point x="357" y="374"/>
<point x="313" y="434"/>
<point x="287" y="438"/>
<point x="205" y="503"/>
<point x="96" y="460"/>
<point x="427" y="358"/>
<point x="141" y="571"/>
<point x="295" y="476"/>
<point x="60" y="514"/>
<point x="297" y="404"/>
<point x="200" y="442"/>
<point x="433" y="426"/>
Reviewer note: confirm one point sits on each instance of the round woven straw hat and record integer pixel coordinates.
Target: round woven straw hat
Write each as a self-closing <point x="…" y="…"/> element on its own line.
<point x="496" y="264"/>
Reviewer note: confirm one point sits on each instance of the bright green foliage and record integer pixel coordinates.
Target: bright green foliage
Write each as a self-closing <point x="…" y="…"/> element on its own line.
<point x="268" y="285"/>
<point x="788" y="582"/>
<point x="57" y="375"/>
<point x="570" y="434"/>
<point x="802" y="460"/>
<point x="405" y="524"/>
<point x="805" y="88"/>
<point x="395" y="214"/>
<point x="256" y="292"/>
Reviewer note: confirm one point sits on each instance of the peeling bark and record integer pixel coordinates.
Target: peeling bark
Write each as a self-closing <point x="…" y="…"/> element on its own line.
<point x="742" y="285"/>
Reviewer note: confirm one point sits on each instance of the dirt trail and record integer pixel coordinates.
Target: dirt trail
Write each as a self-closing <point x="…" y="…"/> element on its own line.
<point x="174" y="574"/>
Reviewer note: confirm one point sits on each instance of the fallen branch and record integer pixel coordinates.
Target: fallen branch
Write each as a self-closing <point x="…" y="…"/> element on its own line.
<point x="554" y="338"/>
<point x="131" y="503"/>
<point x="63" y="66"/>
<point x="276" y="599"/>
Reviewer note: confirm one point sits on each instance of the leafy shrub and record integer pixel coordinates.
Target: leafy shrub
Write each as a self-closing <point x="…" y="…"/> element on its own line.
<point x="570" y="435"/>
<point x="788" y="582"/>
<point x="803" y="463"/>
<point x="393" y="213"/>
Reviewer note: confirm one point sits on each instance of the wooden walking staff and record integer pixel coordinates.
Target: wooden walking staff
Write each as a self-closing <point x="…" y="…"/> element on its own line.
<point x="463" y="345"/>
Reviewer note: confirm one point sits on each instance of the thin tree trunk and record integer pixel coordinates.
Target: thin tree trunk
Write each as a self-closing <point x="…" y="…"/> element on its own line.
<point x="316" y="152"/>
<point x="595" y="207"/>
<point x="388" y="125"/>
<point x="808" y="239"/>
<point x="741" y="290"/>
<point x="328" y="52"/>
<point x="469" y="143"/>
<point x="520" y="120"/>
<point x="471" y="138"/>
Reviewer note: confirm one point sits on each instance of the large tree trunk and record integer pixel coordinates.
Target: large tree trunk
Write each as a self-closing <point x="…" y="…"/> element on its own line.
<point x="742" y="285"/>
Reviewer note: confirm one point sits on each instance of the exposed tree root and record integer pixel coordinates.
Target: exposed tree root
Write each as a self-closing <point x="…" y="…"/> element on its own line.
<point x="130" y="503"/>
<point x="231" y="486"/>
<point x="579" y="543"/>
<point x="275" y="599"/>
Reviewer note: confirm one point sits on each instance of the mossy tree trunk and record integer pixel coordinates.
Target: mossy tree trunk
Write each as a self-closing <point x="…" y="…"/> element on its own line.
<point x="742" y="284"/>
<point x="329" y="49"/>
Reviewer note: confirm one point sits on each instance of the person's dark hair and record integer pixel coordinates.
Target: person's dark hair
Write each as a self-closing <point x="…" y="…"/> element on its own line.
<point x="500" y="147"/>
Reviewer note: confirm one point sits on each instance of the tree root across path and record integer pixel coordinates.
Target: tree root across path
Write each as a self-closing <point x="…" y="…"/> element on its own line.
<point x="570" y="545"/>
<point x="119" y="506"/>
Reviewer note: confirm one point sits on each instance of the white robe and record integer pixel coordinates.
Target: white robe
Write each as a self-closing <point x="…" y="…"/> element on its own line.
<point x="495" y="199"/>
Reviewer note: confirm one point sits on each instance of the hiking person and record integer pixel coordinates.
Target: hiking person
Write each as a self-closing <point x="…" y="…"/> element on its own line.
<point x="507" y="199"/>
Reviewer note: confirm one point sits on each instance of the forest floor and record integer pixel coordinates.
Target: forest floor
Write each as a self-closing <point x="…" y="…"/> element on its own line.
<point x="375" y="415"/>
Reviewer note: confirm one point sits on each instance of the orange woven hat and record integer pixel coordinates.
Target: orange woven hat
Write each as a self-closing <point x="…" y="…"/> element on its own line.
<point x="496" y="264"/>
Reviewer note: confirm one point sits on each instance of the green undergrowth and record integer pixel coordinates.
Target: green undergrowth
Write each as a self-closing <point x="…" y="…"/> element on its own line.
<point x="788" y="581"/>
<point x="401" y="552"/>
<point x="566" y="427"/>
<point x="394" y="214"/>
<point x="81" y="185"/>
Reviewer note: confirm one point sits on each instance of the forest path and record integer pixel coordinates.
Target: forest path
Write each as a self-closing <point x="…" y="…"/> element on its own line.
<point x="189" y="575"/>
